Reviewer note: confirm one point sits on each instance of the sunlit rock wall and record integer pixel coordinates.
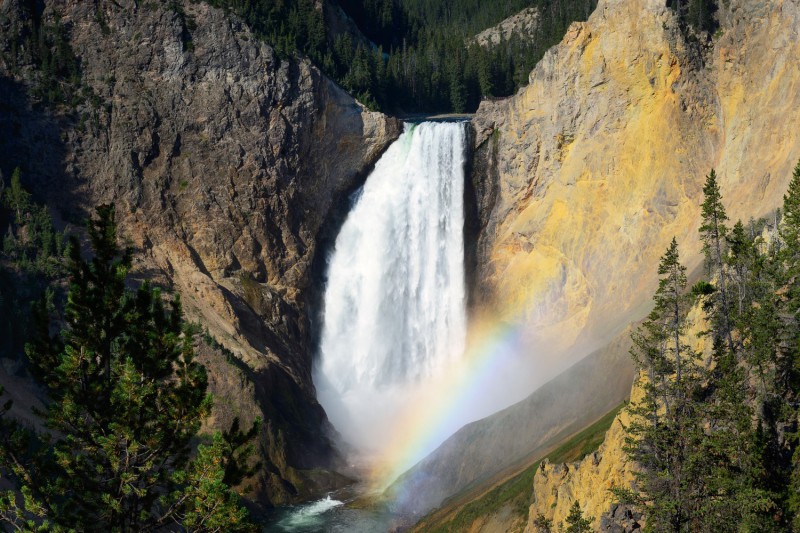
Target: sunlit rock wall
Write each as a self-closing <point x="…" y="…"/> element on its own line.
<point x="589" y="171"/>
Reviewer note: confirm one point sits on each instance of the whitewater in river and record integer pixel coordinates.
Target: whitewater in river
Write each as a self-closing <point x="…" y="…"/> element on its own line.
<point x="394" y="304"/>
<point x="331" y="516"/>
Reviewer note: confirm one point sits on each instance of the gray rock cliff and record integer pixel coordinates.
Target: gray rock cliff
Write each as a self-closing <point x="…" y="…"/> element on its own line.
<point x="226" y="164"/>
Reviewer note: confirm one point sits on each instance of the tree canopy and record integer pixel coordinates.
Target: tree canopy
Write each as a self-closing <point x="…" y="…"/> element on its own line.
<point x="414" y="55"/>
<point x="125" y="400"/>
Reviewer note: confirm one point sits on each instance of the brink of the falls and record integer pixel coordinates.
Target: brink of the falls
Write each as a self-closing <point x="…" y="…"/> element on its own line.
<point x="394" y="303"/>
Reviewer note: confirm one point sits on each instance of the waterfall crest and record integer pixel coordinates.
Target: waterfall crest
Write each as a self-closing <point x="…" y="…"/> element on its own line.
<point x="394" y="305"/>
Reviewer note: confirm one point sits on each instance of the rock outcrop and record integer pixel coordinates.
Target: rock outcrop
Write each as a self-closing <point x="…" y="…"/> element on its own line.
<point x="523" y="25"/>
<point x="600" y="160"/>
<point x="226" y="164"/>
<point x="557" y="486"/>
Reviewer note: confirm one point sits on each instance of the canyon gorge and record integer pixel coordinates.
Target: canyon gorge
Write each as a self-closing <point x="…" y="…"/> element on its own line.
<point x="250" y="183"/>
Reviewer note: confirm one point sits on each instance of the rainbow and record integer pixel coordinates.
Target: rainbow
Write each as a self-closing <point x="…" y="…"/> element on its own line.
<point x="439" y="410"/>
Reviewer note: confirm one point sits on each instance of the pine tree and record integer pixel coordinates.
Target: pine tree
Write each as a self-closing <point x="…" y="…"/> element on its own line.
<point x="712" y="233"/>
<point x="665" y="432"/>
<point x="749" y="401"/>
<point x="726" y="462"/>
<point x="790" y="228"/>
<point x="787" y="358"/>
<point x="740" y="261"/>
<point x="458" y="90"/>
<point x="126" y="398"/>
<point x="17" y="199"/>
<point x="542" y="524"/>
<point x="700" y="14"/>
<point x="205" y="502"/>
<point x="576" y="523"/>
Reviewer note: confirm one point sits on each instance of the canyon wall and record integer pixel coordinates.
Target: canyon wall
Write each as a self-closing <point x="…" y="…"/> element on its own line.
<point x="596" y="164"/>
<point x="590" y="170"/>
<point x="581" y="180"/>
<point x="226" y="164"/>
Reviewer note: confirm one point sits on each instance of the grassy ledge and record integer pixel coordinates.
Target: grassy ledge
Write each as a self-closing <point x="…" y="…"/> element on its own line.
<point x="513" y="495"/>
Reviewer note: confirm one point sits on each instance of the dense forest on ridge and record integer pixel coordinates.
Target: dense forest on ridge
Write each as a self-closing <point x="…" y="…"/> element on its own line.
<point x="414" y="56"/>
<point x="418" y="55"/>
<point x="398" y="56"/>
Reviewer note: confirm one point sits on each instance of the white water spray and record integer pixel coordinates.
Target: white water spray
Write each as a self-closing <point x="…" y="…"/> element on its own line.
<point x="308" y="517"/>
<point x="395" y="299"/>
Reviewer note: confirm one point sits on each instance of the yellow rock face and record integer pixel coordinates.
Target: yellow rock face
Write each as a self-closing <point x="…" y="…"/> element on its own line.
<point x="557" y="486"/>
<point x="601" y="158"/>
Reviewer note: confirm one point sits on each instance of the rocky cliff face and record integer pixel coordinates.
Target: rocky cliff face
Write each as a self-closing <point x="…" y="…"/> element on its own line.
<point x="557" y="486"/>
<point x="592" y="168"/>
<point x="585" y="175"/>
<point x="523" y="24"/>
<point x="226" y="164"/>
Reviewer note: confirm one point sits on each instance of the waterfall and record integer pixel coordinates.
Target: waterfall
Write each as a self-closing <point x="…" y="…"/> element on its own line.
<point x="394" y="304"/>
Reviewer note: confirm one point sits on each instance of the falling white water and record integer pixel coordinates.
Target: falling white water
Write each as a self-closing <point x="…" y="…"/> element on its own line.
<point x="394" y="312"/>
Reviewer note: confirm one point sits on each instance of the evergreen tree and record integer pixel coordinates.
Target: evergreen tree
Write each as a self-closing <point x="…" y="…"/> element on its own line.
<point x="664" y="435"/>
<point x="700" y="15"/>
<point x="543" y="524"/>
<point x="743" y="255"/>
<point x="576" y="523"/>
<point x="787" y="357"/>
<point x="790" y="229"/>
<point x="713" y="233"/>
<point x="205" y="501"/>
<point x="717" y="447"/>
<point x="458" y="91"/>
<point x="756" y="275"/>
<point x="727" y="465"/>
<point x="17" y="199"/>
<point x="23" y="509"/>
<point x="788" y="351"/>
<point x="695" y="14"/>
<point x="726" y="462"/>
<point x="126" y="397"/>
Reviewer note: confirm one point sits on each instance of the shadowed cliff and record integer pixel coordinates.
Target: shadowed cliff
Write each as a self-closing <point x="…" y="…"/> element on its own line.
<point x="225" y="163"/>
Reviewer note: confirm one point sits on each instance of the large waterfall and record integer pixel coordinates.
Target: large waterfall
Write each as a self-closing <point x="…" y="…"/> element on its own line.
<point x="394" y="306"/>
